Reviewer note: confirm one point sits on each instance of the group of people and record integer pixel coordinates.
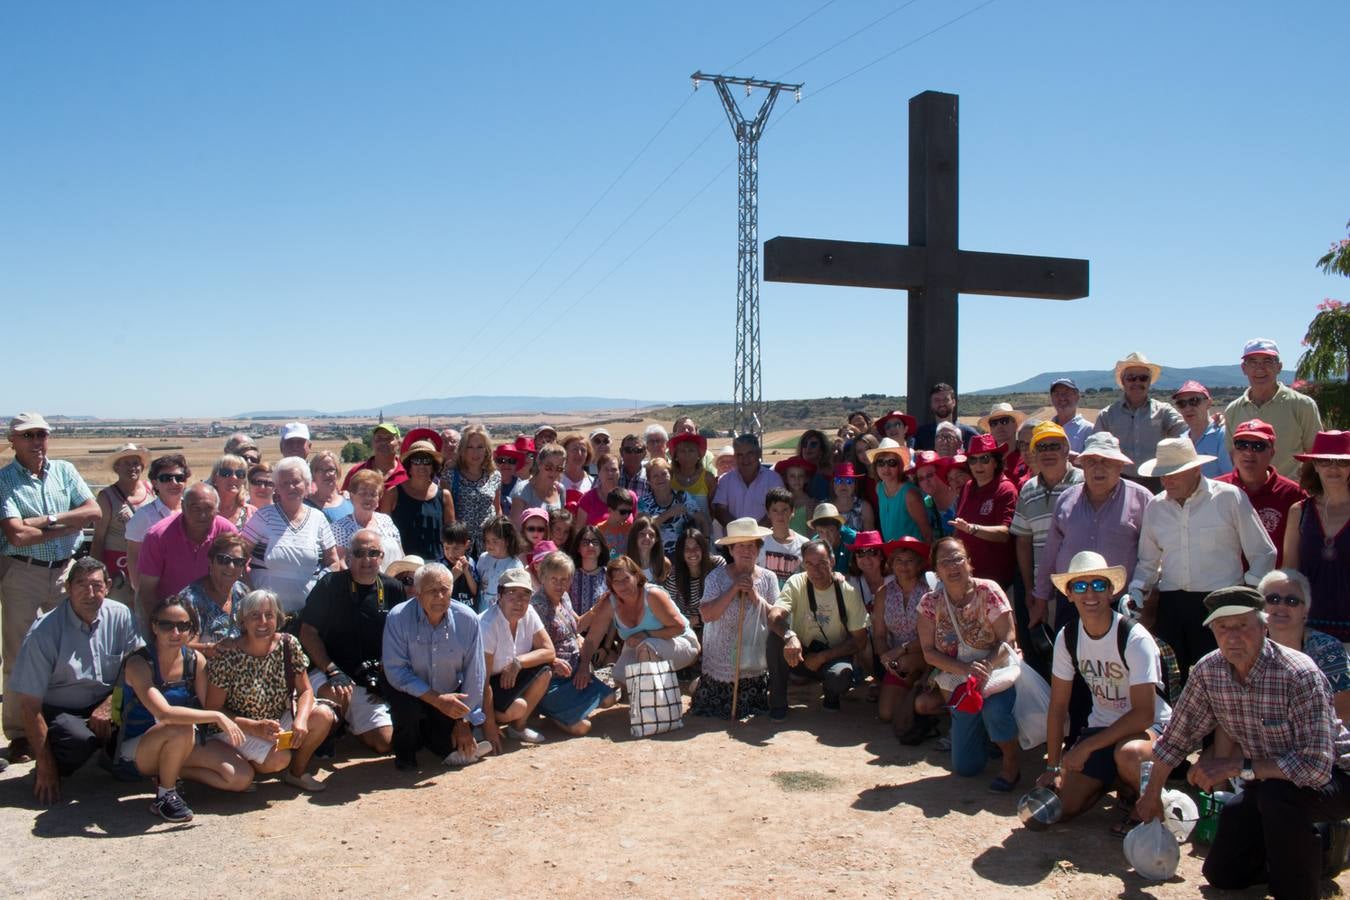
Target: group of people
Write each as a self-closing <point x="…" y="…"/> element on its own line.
<point x="1178" y="576"/>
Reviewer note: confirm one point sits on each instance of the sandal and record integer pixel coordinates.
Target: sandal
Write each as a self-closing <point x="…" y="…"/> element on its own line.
<point x="1125" y="825"/>
<point x="1001" y="785"/>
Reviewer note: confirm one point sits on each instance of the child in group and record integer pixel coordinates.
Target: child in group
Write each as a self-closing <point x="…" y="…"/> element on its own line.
<point x="828" y="525"/>
<point x="503" y="546"/>
<point x="533" y="529"/>
<point x="857" y="512"/>
<point x="645" y="549"/>
<point x="797" y="474"/>
<point x="782" y="550"/>
<point x="455" y="540"/>
<point x="617" y="524"/>
<point x="560" y="526"/>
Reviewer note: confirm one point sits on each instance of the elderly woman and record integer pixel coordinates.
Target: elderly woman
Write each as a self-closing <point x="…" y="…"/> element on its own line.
<point x="261" y="487"/>
<point x="857" y="512"/>
<point x="229" y="476"/>
<point x="816" y="449"/>
<point x="544" y="488"/>
<point x="576" y="475"/>
<point x="900" y="509"/>
<point x="963" y="627"/>
<point x="118" y="502"/>
<point x="645" y="617"/>
<point x="984" y="512"/>
<point x="895" y="633"/>
<point x="169" y="476"/>
<point x="947" y="439"/>
<point x="734" y="606"/>
<point x="669" y="508"/>
<point x="366" y="488"/>
<point x="518" y="654"/>
<point x="475" y="484"/>
<point x="1286" y="592"/>
<point x="289" y="543"/>
<point x="163" y="687"/>
<point x="654" y="440"/>
<point x="1192" y="400"/>
<point x="260" y="681"/>
<point x="420" y="507"/>
<point x="1319" y="545"/>
<point x="568" y="705"/>
<point x="214" y="598"/>
<point x="327" y="497"/>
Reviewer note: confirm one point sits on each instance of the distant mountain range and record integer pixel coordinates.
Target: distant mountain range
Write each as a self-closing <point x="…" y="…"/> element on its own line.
<point x="473" y="405"/>
<point x="1170" y="379"/>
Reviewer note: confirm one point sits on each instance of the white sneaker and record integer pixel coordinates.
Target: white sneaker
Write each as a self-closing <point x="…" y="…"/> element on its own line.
<point x="457" y="758"/>
<point x="525" y="735"/>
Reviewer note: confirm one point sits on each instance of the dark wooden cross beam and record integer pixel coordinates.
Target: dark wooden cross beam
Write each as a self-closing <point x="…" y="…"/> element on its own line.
<point x="930" y="267"/>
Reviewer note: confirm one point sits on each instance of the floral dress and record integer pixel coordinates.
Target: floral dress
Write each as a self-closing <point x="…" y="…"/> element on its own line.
<point x="473" y="502"/>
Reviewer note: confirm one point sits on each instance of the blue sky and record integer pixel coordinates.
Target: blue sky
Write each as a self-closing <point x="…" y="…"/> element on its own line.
<point x="206" y="208"/>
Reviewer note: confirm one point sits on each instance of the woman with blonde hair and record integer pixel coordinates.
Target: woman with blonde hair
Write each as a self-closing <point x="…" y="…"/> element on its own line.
<point x="475" y="484"/>
<point x="229" y="476"/>
<point x="327" y="497"/>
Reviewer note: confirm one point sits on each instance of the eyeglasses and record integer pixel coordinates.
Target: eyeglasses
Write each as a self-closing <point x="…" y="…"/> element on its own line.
<point x="406" y="579"/>
<point x="1187" y="402"/>
<point x="367" y="554"/>
<point x="504" y="461"/>
<point x="590" y="541"/>
<point x="982" y="460"/>
<point x="232" y="473"/>
<point x="168" y="627"/>
<point x="1261" y="362"/>
<point x="261" y="483"/>
<point x="1136" y="379"/>
<point x="252" y="458"/>
<point x="421" y="461"/>
<point x="1331" y="463"/>
<point x="887" y="462"/>
<point x="1289" y="600"/>
<point x="166" y="477"/>
<point x="1048" y="447"/>
<point x="866" y="551"/>
<point x="952" y="561"/>
<point x="1256" y="446"/>
<point x="225" y="559"/>
<point x="844" y="480"/>
<point x="1096" y="585"/>
<point x="1001" y="420"/>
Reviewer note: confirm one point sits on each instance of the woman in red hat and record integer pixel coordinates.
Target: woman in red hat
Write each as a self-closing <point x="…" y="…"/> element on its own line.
<point x="929" y="471"/>
<point x="1320" y="546"/>
<point x="897" y="426"/>
<point x="815" y="448"/>
<point x="867" y="565"/>
<point x="895" y="632"/>
<point x="797" y="474"/>
<point x="858" y="513"/>
<point x="688" y="474"/>
<point x="984" y="512"/>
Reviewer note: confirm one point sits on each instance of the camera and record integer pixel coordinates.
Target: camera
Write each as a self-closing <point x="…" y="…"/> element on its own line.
<point x="370" y="675"/>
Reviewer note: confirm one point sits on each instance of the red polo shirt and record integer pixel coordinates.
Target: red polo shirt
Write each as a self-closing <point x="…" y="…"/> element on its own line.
<point x="1272" y="501"/>
<point x="992" y="504"/>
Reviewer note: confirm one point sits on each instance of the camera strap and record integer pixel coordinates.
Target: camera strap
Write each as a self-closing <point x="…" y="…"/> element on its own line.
<point x="379" y="590"/>
<point x="839" y="601"/>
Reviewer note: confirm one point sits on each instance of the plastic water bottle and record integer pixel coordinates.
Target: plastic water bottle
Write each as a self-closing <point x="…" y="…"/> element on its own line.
<point x="1145" y="772"/>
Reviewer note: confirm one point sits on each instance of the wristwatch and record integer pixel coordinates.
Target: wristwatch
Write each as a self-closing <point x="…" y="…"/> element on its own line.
<point x="1247" y="773"/>
<point x="788" y="635"/>
<point x="51" y="521"/>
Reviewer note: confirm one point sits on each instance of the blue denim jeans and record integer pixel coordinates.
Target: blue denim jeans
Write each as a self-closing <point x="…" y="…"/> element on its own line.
<point x="971" y="731"/>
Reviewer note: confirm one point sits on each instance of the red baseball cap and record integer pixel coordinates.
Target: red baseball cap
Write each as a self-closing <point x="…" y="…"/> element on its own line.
<point x="1255" y="428"/>
<point x="1191" y="387"/>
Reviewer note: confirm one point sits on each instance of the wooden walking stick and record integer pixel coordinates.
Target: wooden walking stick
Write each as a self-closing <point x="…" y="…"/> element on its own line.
<point x="736" y="685"/>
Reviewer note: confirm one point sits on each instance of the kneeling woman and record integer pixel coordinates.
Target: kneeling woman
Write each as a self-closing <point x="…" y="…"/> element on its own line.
<point x="517" y="652"/>
<point x="570" y="699"/>
<point x="260" y="680"/>
<point x="646" y="619"/>
<point x="164" y="686"/>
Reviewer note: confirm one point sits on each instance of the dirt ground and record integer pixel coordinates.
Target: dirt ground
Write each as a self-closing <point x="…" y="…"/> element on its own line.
<point x="697" y="812"/>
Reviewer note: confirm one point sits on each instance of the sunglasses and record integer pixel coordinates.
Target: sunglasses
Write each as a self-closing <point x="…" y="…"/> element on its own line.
<point x="406" y="579"/>
<point x="261" y="484"/>
<point x="1332" y="463"/>
<point x="624" y="511"/>
<point x="887" y="462"/>
<point x="982" y="459"/>
<point x="1289" y="600"/>
<point x="600" y="440"/>
<point x="367" y="554"/>
<point x="1188" y="402"/>
<point x="844" y="480"/>
<point x="866" y="551"/>
<point x="166" y="477"/>
<point x="1136" y="379"/>
<point x="225" y="559"/>
<point x="631" y="450"/>
<point x="232" y="473"/>
<point x="1256" y="446"/>
<point x="1048" y="447"/>
<point x="1001" y="420"/>
<point x="1098" y="585"/>
<point x="252" y="458"/>
<point x="421" y="461"/>
<point x="168" y="627"/>
<point x="504" y="461"/>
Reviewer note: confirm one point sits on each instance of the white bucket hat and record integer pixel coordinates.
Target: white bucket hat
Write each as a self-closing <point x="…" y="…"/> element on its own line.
<point x="1105" y="445"/>
<point x="1174" y="455"/>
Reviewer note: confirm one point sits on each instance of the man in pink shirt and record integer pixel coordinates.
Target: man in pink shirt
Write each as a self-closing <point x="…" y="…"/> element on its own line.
<point x="740" y="493"/>
<point x="174" y="553"/>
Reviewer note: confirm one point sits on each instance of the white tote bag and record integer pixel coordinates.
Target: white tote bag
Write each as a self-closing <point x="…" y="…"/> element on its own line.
<point x="655" y="704"/>
<point x="1030" y="707"/>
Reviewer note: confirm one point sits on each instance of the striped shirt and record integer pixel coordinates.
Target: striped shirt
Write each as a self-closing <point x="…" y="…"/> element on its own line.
<point x="24" y="495"/>
<point x="1283" y="712"/>
<point x="1036" y="509"/>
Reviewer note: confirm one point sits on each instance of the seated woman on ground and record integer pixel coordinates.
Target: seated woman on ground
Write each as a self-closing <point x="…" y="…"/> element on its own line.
<point x="566" y="704"/>
<point x="164" y="686"/>
<point x="518" y="654"/>
<point x="895" y="634"/>
<point x="261" y="681"/>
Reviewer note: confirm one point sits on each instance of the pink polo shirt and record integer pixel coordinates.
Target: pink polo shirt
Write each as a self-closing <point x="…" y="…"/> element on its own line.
<point x="168" y="555"/>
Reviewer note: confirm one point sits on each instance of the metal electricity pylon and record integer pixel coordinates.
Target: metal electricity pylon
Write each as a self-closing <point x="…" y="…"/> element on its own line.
<point x="747" y="400"/>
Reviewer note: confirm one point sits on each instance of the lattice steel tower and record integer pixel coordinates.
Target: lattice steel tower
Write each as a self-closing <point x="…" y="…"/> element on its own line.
<point x="747" y="400"/>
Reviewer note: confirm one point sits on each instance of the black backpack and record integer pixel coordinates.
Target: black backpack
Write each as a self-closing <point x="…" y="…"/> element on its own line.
<point x="1080" y="705"/>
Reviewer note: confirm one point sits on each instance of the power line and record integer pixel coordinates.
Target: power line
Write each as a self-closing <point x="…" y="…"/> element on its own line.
<point x="780" y="34"/>
<point x="846" y="39"/>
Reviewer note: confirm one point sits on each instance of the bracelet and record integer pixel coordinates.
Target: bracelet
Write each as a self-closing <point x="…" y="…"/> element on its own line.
<point x="1055" y="769"/>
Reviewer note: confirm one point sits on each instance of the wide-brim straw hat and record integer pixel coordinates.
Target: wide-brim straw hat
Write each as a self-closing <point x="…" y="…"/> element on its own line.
<point x="892" y="447"/>
<point x="129" y="450"/>
<point x="417" y="447"/>
<point x="410" y="563"/>
<point x="1174" y="456"/>
<point x="999" y="410"/>
<point x="1137" y="361"/>
<point x="741" y="530"/>
<point x="1090" y="564"/>
<point x="825" y="512"/>
<point x="1327" y="445"/>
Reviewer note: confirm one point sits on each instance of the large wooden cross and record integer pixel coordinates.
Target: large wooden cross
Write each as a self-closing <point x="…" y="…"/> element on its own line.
<point x="930" y="267"/>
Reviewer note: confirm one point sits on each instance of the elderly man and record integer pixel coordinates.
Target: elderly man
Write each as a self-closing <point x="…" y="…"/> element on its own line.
<point x="450" y="439"/>
<point x="44" y="506"/>
<point x="1034" y="513"/>
<point x="741" y="493"/>
<point x="174" y="553"/>
<point x="295" y="440"/>
<point x="1136" y="419"/>
<point x="244" y="447"/>
<point x="1194" y="539"/>
<point x="1192" y="400"/>
<point x="1102" y="514"/>
<point x="342" y="630"/>
<point x="1064" y="396"/>
<point x="64" y="675"/>
<point x="433" y="662"/>
<point x="1294" y="416"/>
<point x="632" y="472"/>
<point x="384" y="440"/>
<point x="1276" y="705"/>
<point x="833" y="630"/>
<point x="654" y="439"/>
<point x="1003" y="422"/>
<point x="1270" y="493"/>
<point x="600" y="440"/>
<point x="942" y="407"/>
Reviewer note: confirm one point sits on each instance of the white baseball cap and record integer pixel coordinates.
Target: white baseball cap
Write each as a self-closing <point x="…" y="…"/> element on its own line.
<point x="294" y="430"/>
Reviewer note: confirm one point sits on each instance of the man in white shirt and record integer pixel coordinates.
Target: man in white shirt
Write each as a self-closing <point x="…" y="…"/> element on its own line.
<point x="1194" y="537"/>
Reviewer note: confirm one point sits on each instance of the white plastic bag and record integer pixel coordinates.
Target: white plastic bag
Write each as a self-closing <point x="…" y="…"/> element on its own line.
<point x="1152" y="850"/>
<point x="654" y="701"/>
<point x="1030" y="707"/>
